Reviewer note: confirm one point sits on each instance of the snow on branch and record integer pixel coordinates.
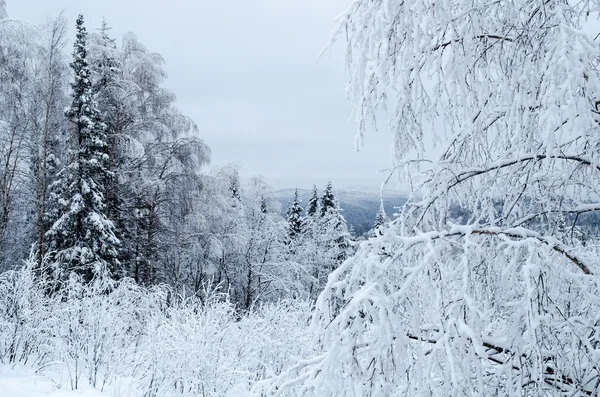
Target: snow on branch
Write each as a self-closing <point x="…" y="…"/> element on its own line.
<point x="487" y="283"/>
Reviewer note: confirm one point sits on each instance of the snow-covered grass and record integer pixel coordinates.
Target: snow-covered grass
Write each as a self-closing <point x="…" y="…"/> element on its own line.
<point x="133" y="341"/>
<point x="22" y="381"/>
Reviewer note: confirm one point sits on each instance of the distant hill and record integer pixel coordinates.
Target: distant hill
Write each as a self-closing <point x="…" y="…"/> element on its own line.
<point x="359" y="205"/>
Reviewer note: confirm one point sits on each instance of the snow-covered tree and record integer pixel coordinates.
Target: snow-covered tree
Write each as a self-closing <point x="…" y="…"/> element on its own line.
<point x="334" y="238"/>
<point x="264" y="206"/>
<point x="324" y="242"/>
<point x="381" y="219"/>
<point x="82" y="238"/>
<point x="155" y="153"/>
<point x="496" y="302"/>
<point x="312" y="207"/>
<point x="234" y="185"/>
<point x="50" y="125"/>
<point x="3" y="13"/>
<point x="266" y="271"/>
<point x="328" y="201"/>
<point x="104" y="63"/>
<point x="19" y="106"/>
<point x="294" y="217"/>
<point x="110" y="88"/>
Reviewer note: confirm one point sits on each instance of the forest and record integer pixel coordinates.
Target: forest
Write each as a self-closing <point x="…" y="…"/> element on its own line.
<point x="131" y="267"/>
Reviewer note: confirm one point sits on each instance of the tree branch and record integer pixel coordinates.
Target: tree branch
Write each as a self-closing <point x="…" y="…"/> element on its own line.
<point x="481" y="36"/>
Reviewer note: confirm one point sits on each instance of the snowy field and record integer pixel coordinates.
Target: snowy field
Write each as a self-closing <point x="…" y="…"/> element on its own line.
<point x="21" y="381"/>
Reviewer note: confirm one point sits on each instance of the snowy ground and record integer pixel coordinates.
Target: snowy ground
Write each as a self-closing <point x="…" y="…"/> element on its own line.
<point x="24" y="382"/>
<point x="19" y="381"/>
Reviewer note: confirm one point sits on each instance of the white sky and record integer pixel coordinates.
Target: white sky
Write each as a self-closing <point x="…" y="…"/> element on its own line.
<point x="246" y="73"/>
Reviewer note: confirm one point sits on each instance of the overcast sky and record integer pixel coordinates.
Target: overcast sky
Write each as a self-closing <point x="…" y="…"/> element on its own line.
<point x="246" y="73"/>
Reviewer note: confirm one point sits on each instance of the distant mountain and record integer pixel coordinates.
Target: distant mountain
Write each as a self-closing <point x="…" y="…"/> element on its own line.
<point x="359" y="205"/>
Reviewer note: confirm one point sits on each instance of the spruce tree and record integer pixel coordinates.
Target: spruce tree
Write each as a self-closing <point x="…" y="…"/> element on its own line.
<point x="329" y="235"/>
<point x="380" y="220"/>
<point x="313" y="203"/>
<point x="294" y="217"/>
<point x="82" y="238"/>
<point x="106" y="66"/>
<point x="328" y="200"/>
<point x="108" y="89"/>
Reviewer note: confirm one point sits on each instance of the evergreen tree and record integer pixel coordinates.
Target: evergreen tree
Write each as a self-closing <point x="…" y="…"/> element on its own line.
<point x="327" y="241"/>
<point x="328" y="200"/>
<point x="106" y="66"/>
<point x="294" y="217"/>
<point x="83" y="239"/>
<point x="335" y="239"/>
<point x="107" y="86"/>
<point x="380" y="219"/>
<point x="263" y="205"/>
<point x="313" y="203"/>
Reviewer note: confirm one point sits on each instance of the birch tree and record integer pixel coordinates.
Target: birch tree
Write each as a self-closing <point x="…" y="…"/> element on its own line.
<point x="50" y="126"/>
<point x="18" y="44"/>
<point x="499" y="300"/>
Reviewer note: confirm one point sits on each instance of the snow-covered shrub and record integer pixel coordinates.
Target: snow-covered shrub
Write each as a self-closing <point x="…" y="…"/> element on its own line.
<point x="98" y="329"/>
<point x="281" y="332"/>
<point x="161" y="343"/>
<point x="24" y="317"/>
<point x="209" y="349"/>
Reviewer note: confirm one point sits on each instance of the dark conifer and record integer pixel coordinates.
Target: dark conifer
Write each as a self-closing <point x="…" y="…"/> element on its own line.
<point x="82" y="238"/>
<point x="294" y="217"/>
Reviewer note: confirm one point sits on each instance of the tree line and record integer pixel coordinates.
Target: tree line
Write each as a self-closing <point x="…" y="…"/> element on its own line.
<point x="116" y="186"/>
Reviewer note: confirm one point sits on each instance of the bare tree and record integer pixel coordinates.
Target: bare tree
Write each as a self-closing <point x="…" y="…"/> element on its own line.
<point x="17" y="54"/>
<point x="49" y="122"/>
